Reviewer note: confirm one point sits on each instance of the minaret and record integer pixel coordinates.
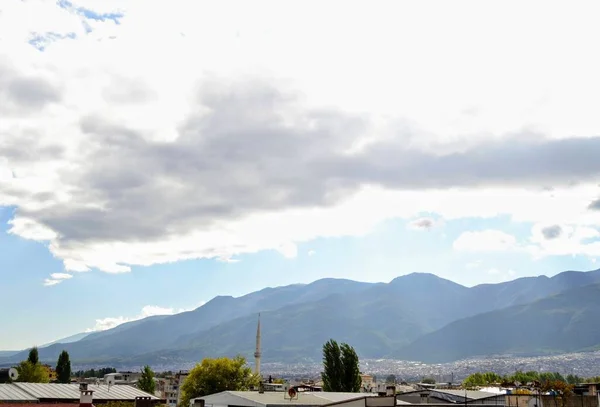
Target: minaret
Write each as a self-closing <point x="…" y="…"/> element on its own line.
<point x="257" y="352"/>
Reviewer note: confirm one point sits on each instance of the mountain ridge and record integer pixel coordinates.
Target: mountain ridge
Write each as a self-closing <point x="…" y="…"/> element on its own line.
<point x="379" y="319"/>
<point x="559" y="323"/>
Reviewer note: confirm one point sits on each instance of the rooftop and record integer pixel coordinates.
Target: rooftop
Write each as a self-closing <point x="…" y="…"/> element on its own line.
<point x="471" y="394"/>
<point x="8" y="393"/>
<point x="280" y="398"/>
<point x="55" y="391"/>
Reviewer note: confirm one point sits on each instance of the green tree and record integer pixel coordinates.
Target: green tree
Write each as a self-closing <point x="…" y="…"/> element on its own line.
<point x="63" y="368"/>
<point x="332" y="366"/>
<point x="482" y="379"/>
<point x="340" y="368"/>
<point x="216" y="375"/>
<point x="32" y="373"/>
<point x="351" y="380"/>
<point x="391" y="379"/>
<point x="428" y="380"/>
<point x="34" y="356"/>
<point x="146" y="381"/>
<point x="95" y="373"/>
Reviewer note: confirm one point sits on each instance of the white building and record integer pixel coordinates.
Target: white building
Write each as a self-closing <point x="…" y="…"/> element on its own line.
<point x="122" y="378"/>
<point x="180" y="378"/>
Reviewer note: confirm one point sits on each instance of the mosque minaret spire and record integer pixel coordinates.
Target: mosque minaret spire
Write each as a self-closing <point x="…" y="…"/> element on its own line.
<point x="257" y="352"/>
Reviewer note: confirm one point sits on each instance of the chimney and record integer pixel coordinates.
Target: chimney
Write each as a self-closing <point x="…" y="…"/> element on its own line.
<point x="86" y="396"/>
<point x="143" y="402"/>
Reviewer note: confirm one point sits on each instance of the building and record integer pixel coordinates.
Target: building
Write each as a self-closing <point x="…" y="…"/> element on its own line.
<point x="588" y="389"/>
<point x="180" y="378"/>
<point x="168" y="390"/>
<point x="449" y="396"/>
<point x="276" y="399"/>
<point x="68" y="393"/>
<point x="459" y="396"/>
<point x="366" y="401"/>
<point x="129" y="378"/>
<point x="549" y="400"/>
<point x="367" y="383"/>
<point x="86" y="399"/>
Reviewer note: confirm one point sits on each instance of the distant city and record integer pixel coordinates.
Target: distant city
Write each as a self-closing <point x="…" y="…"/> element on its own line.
<point x="586" y="364"/>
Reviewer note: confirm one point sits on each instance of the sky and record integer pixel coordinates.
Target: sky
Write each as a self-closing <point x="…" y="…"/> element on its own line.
<point x="154" y="155"/>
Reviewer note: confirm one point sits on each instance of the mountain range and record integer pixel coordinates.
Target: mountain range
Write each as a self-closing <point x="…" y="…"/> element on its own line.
<point x="417" y="316"/>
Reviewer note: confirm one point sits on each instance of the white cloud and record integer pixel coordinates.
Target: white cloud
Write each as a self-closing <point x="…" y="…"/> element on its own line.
<point x="485" y="241"/>
<point x="50" y="282"/>
<point x="225" y="259"/>
<point x="501" y="276"/>
<point x="311" y="252"/>
<point x="546" y="240"/>
<point x="474" y="264"/>
<point x="118" y="149"/>
<point x="61" y="276"/>
<point x="103" y="324"/>
<point x="564" y="240"/>
<point x="56" y="278"/>
<point x="288" y="250"/>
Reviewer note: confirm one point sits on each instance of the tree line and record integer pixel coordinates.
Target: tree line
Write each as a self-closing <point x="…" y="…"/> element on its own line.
<point x="32" y="371"/>
<point x="95" y="372"/>
<point x="491" y="378"/>
<point x="340" y="373"/>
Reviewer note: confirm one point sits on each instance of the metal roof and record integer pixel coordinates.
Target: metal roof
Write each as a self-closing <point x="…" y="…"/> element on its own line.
<point x="57" y="391"/>
<point x="305" y="398"/>
<point x="9" y="392"/>
<point x="471" y="394"/>
<point x="341" y="396"/>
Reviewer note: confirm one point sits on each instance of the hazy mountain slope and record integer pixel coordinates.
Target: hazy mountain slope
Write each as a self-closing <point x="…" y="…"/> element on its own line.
<point x="488" y="297"/>
<point x="560" y="323"/>
<point x="375" y="321"/>
<point x="376" y="318"/>
<point x="161" y="332"/>
<point x="68" y="339"/>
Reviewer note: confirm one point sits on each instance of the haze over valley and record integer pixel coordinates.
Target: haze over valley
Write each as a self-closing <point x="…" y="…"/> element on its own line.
<point x="417" y="317"/>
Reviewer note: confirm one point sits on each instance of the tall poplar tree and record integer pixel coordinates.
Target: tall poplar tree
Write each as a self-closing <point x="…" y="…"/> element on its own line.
<point x="351" y="381"/>
<point x="340" y="368"/>
<point x="34" y="356"/>
<point x="63" y="368"/>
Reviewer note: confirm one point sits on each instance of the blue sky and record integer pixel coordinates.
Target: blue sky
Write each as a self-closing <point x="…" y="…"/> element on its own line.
<point x="391" y="250"/>
<point x="153" y="156"/>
